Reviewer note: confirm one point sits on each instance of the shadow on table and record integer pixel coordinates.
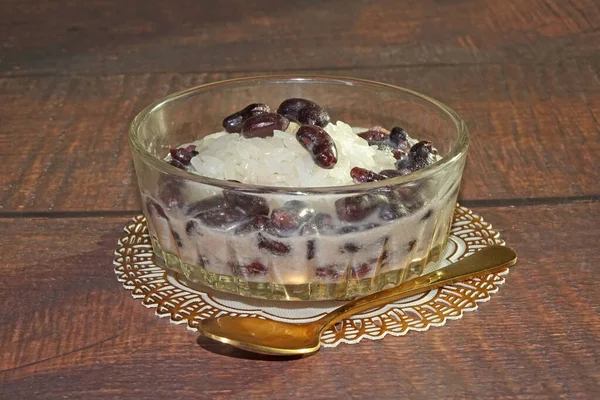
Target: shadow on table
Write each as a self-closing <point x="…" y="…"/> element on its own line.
<point x="230" y="351"/>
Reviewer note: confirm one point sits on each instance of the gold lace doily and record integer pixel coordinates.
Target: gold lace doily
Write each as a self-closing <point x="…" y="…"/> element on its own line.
<point x="187" y="304"/>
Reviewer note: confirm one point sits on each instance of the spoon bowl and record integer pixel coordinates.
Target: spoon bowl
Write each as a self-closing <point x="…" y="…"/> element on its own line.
<point x="286" y="339"/>
<point x="264" y="336"/>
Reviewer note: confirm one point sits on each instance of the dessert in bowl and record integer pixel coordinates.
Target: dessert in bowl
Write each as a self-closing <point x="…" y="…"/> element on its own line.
<point x="298" y="188"/>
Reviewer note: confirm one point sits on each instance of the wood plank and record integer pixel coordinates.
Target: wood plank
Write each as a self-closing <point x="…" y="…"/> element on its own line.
<point x="534" y="131"/>
<point x="70" y="329"/>
<point x="108" y="37"/>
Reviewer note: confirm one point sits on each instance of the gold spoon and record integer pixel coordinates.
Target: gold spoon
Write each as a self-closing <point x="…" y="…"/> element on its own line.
<point x="285" y="339"/>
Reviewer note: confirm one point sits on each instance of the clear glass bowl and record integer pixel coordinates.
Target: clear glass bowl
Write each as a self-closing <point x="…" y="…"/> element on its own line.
<point x="351" y="258"/>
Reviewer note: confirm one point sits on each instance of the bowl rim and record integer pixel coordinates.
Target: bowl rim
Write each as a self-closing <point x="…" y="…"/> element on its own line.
<point x="457" y="151"/>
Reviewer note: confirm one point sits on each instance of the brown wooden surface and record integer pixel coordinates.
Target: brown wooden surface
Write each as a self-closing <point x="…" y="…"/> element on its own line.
<point x="110" y="36"/>
<point x="73" y="330"/>
<point x="534" y="131"/>
<point x="524" y="74"/>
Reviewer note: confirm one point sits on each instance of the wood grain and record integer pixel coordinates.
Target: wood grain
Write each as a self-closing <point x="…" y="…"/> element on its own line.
<point x="525" y="75"/>
<point x="110" y="37"/>
<point x="534" y="131"/>
<point x="70" y="330"/>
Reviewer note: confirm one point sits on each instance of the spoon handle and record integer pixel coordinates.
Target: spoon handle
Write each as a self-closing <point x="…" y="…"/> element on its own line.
<point x="485" y="261"/>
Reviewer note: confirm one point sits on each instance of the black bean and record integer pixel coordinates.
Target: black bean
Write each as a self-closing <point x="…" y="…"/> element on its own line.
<point x="170" y="192"/>
<point x="391" y="211"/>
<point x="427" y="215"/>
<point x="356" y="208"/>
<point x="263" y="125"/>
<point x="177" y="238"/>
<point x="221" y="218"/>
<point x="234" y="122"/>
<point x="320" y="224"/>
<point x="399" y="138"/>
<point x="319" y="143"/>
<point x="344" y="230"/>
<point x="313" y="115"/>
<point x="370" y="225"/>
<point x="404" y="166"/>
<point x="310" y="249"/>
<point x="391" y="173"/>
<point x="206" y="204"/>
<point x="155" y="209"/>
<point x="250" y="204"/>
<point x="177" y="164"/>
<point x="397" y="202"/>
<point x="412" y="244"/>
<point x="192" y="228"/>
<point x="304" y="111"/>
<point x="375" y="135"/>
<point x="256" y="223"/>
<point x="422" y="155"/>
<point x="350" y="247"/>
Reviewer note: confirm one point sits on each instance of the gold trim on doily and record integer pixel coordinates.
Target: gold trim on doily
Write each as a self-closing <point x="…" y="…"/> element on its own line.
<point x="172" y="297"/>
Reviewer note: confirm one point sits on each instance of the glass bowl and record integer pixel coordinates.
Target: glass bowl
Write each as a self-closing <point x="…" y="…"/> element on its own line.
<point x="194" y="221"/>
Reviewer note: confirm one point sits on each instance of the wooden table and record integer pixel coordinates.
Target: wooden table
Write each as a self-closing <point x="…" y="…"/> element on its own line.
<point x="525" y="74"/>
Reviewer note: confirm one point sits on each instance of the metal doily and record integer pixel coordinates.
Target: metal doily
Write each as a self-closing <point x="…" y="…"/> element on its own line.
<point x="183" y="302"/>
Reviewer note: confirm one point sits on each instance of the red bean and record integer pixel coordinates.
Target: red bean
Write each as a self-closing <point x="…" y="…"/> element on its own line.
<point x="155" y="209"/>
<point x="255" y="268"/>
<point x="291" y="216"/>
<point x="182" y="156"/>
<point x="273" y="246"/>
<point x="362" y="175"/>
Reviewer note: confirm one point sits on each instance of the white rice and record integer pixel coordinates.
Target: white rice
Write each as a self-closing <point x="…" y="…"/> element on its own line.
<point x="281" y="160"/>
